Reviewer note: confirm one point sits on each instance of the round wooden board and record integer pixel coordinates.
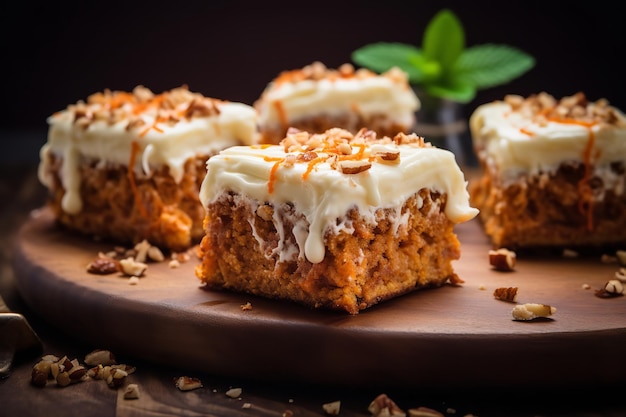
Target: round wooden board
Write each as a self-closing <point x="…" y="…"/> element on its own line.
<point x="444" y="337"/>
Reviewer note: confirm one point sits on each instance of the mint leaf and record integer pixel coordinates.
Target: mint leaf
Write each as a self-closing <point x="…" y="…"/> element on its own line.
<point x="444" y="40"/>
<point x="459" y="91"/>
<point x="381" y="56"/>
<point x="489" y="65"/>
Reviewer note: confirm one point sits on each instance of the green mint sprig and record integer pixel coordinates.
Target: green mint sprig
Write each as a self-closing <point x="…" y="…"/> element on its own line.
<point x="443" y="67"/>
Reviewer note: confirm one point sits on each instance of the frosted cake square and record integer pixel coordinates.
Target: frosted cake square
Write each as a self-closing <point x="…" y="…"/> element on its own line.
<point x="128" y="166"/>
<point x="334" y="220"/>
<point x="553" y="171"/>
<point x="316" y="98"/>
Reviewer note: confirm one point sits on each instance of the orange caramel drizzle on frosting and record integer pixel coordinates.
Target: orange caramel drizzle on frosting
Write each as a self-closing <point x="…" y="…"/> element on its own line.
<point x="131" y="179"/>
<point x="585" y="206"/>
<point x="585" y="203"/>
<point x="282" y="115"/>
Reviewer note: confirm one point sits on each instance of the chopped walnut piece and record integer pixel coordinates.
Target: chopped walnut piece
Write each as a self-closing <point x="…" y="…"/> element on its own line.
<point x="385" y="406"/>
<point x="187" y="383"/>
<point x="246" y="307"/>
<point x="131" y="392"/>
<point x="502" y="259"/>
<point x="620" y="275"/>
<point x="505" y="293"/>
<point x="155" y="254"/>
<point x="531" y="311"/>
<point x="354" y="167"/>
<point x="612" y="288"/>
<point x="142" y="251"/>
<point x="332" y="408"/>
<point x="103" y="265"/>
<point x="131" y="267"/>
<point x="234" y="392"/>
<point x="621" y="257"/>
<point x="100" y="357"/>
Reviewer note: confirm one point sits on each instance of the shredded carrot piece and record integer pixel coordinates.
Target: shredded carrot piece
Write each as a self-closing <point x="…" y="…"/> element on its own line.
<point x="311" y="165"/>
<point x="359" y="155"/>
<point x="526" y="131"/>
<point x="272" y="179"/>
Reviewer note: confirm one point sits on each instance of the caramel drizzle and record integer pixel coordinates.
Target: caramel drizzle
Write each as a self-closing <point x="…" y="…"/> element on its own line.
<point x="585" y="206"/>
<point x="134" y="150"/>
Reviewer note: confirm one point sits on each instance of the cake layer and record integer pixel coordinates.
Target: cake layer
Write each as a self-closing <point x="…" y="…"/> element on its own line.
<point x="553" y="171"/>
<point x="332" y="220"/>
<point x="137" y="141"/>
<point x="316" y="98"/>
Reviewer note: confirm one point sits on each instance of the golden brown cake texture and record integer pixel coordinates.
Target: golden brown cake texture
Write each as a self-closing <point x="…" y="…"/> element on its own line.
<point x="128" y="166"/>
<point x="553" y="172"/>
<point x="334" y="220"/>
<point x="316" y="98"/>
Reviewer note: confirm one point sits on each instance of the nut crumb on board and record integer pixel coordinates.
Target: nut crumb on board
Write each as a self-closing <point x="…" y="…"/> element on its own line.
<point x="531" y="311"/>
<point x="187" y="383"/>
<point x="332" y="408"/>
<point x="502" y="259"/>
<point x="612" y="288"/>
<point x="382" y="405"/>
<point x="505" y="293"/>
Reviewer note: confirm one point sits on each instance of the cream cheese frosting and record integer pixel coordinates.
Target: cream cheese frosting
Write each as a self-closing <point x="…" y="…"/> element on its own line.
<point x="538" y="134"/>
<point x="144" y="129"/>
<point x="326" y="175"/>
<point x="315" y="90"/>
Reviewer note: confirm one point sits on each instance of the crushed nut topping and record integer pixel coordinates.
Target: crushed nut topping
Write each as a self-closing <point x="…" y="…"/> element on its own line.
<point x="502" y="259"/>
<point x="532" y="311"/>
<point x="505" y="294"/>
<point x="141" y="109"/>
<point x="543" y="107"/>
<point x="343" y="151"/>
<point x="317" y="71"/>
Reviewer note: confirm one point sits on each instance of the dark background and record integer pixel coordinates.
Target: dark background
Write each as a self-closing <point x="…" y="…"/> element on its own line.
<point x="54" y="54"/>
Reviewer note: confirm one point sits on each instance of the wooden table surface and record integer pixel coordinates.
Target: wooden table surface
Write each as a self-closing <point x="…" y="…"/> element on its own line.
<point x="20" y="193"/>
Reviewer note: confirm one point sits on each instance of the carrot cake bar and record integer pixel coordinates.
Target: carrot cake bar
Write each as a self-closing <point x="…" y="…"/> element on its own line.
<point x="335" y="220"/>
<point x="128" y="166"/>
<point x="316" y="98"/>
<point x="553" y="171"/>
